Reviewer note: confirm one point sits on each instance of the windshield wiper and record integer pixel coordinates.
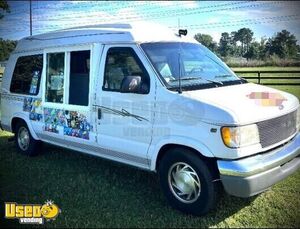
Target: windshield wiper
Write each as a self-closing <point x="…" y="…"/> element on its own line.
<point x="242" y="80"/>
<point x="216" y="82"/>
<point x="199" y="78"/>
<point x="188" y="78"/>
<point x="223" y="76"/>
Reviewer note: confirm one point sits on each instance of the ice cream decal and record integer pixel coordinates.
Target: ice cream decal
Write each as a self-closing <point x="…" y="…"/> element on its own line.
<point x="73" y="123"/>
<point x="267" y="99"/>
<point x="33" y="106"/>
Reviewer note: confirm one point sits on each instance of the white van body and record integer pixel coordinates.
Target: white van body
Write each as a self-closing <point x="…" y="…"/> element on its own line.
<point x="138" y="128"/>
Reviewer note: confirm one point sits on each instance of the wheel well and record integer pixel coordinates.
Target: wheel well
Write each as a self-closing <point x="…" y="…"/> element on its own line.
<point x="210" y="162"/>
<point x="14" y="122"/>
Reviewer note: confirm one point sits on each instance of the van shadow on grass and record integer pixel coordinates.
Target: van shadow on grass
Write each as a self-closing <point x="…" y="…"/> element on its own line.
<point x="94" y="192"/>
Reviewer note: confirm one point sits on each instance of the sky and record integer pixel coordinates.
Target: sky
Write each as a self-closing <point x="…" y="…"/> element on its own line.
<point x="264" y="18"/>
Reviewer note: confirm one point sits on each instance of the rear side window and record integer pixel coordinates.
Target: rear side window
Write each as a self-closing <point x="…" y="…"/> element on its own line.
<point x="79" y="78"/>
<point x="55" y="73"/>
<point x="27" y="75"/>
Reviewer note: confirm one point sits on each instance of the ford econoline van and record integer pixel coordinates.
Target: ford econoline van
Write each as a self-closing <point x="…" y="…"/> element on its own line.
<point x="141" y="95"/>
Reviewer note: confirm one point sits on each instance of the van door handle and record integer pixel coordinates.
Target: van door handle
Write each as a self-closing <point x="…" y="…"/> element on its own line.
<point x="99" y="113"/>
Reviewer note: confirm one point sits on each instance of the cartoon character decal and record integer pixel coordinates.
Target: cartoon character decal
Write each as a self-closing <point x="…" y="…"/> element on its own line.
<point x="53" y="119"/>
<point x="27" y="104"/>
<point x="71" y="123"/>
<point x="50" y="210"/>
<point x="33" y="106"/>
<point x="74" y="124"/>
<point x="267" y="99"/>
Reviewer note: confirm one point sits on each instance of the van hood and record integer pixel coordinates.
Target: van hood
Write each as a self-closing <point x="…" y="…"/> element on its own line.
<point x="245" y="103"/>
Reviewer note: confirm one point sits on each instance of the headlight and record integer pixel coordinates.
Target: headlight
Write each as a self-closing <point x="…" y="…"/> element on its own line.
<point x="235" y="137"/>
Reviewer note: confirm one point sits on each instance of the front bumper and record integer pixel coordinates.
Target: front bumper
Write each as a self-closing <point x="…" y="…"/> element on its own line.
<point x="252" y="175"/>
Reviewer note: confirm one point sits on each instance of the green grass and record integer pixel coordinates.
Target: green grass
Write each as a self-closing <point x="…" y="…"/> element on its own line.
<point x="291" y="89"/>
<point x="93" y="192"/>
<point x="267" y="68"/>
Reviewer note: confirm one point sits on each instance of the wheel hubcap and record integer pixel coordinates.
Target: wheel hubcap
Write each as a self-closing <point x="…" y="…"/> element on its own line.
<point x="184" y="182"/>
<point x="23" y="138"/>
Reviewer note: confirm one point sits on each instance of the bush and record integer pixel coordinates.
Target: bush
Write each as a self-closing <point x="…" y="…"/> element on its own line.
<point x="274" y="60"/>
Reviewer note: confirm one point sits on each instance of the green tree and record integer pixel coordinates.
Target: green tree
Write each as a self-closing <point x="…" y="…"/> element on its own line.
<point x="245" y="36"/>
<point x="235" y="50"/>
<point x="254" y="51"/>
<point x="4" y="7"/>
<point x="6" y="47"/>
<point x="262" y="48"/>
<point x="225" y="45"/>
<point x="283" y="44"/>
<point x="207" y="41"/>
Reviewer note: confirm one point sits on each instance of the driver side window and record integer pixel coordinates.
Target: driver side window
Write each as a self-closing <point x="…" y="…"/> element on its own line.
<point x="120" y="63"/>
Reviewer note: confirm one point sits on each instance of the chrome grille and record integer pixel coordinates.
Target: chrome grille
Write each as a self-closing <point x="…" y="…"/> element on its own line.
<point x="277" y="129"/>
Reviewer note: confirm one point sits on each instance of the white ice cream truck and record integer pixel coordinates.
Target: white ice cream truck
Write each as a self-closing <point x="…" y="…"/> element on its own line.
<point x="141" y="95"/>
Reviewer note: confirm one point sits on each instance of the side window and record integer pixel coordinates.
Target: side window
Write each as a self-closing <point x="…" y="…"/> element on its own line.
<point x="55" y="77"/>
<point x="79" y="78"/>
<point x="120" y="63"/>
<point x="27" y="75"/>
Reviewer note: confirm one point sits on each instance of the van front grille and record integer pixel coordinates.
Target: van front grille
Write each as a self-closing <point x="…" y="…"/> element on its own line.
<point x="277" y="129"/>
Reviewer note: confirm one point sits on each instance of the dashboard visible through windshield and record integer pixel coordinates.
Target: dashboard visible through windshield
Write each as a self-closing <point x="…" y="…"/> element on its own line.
<point x="194" y="64"/>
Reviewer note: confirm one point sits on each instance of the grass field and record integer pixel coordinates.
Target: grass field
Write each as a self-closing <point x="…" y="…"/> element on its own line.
<point x="291" y="89"/>
<point x="92" y="192"/>
<point x="270" y="68"/>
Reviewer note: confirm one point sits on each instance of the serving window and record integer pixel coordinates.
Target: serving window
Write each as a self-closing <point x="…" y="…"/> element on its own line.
<point x="68" y="77"/>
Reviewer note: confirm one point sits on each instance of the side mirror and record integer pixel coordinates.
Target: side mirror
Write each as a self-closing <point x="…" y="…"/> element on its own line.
<point x="133" y="84"/>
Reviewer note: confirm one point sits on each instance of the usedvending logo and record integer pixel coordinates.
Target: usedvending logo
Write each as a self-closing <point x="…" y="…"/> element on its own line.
<point x="32" y="213"/>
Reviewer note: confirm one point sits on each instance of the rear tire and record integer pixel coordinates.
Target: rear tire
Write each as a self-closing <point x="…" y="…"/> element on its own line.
<point x="25" y="143"/>
<point x="187" y="182"/>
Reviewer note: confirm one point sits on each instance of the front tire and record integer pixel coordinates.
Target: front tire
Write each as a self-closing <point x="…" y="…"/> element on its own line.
<point x="187" y="182"/>
<point x="25" y="143"/>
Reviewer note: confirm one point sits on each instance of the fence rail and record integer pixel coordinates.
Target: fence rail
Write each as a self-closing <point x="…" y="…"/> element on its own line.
<point x="259" y="78"/>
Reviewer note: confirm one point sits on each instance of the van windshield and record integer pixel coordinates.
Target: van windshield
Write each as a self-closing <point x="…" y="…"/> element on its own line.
<point x="196" y="65"/>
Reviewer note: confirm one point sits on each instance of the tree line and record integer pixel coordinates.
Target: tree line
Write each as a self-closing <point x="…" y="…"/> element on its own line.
<point x="6" y="47"/>
<point x="4" y="7"/>
<point x="242" y="44"/>
<point x="237" y="44"/>
<point x="283" y="45"/>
